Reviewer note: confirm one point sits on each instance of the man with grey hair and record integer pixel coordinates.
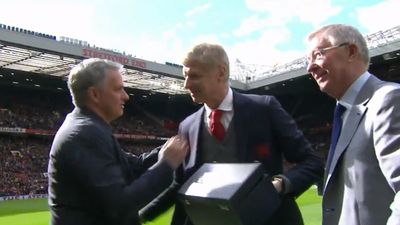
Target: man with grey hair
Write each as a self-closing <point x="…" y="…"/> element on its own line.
<point x="362" y="175"/>
<point x="91" y="180"/>
<point x="241" y="128"/>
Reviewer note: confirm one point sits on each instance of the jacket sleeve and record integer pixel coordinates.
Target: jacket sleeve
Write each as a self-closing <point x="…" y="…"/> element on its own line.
<point x="160" y="204"/>
<point x="94" y="161"/>
<point x="386" y="130"/>
<point x="169" y="197"/>
<point x="139" y="164"/>
<point x="308" y="167"/>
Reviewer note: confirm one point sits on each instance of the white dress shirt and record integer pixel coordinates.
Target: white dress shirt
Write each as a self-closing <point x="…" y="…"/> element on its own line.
<point x="226" y="106"/>
<point x="351" y="93"/>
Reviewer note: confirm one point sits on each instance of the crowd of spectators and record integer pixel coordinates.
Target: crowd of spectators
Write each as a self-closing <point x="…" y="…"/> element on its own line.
<point x="23" y="163"/>
<point x="34" y="117"/>
<point x="317" y="131"/>
<point x="20" y="116"/>
<point x="46" y="113"/>
<point x="24" y="157"/>
<point x="141" y="125"/>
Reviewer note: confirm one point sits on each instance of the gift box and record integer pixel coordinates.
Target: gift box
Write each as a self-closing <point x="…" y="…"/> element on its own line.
<point x="229" y="193"/>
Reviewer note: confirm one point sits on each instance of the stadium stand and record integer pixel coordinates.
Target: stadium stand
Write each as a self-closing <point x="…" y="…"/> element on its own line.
<point x="30" y="118"/>
<point x="34" y="98"/>
<point x="24" y="163"/>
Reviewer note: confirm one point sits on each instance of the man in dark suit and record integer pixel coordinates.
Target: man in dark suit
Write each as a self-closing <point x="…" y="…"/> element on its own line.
<point x="255" y="128"/>
<point x="362" y="178"/>
<point x="91" y="180"/>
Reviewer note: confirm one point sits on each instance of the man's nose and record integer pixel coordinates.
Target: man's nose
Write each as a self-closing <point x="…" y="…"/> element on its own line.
<point x="187" y="84"/>
<point x="311" y="66"/>
<point x="125" y="96"/>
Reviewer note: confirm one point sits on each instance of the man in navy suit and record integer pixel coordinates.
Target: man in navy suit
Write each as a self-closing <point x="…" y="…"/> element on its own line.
<point x="92" y="181"/>
<point x="256" y="128"/>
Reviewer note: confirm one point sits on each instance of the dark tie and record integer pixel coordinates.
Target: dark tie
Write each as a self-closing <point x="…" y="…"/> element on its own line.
<point x="336" y="128"/>
<point x="216" y="127"/>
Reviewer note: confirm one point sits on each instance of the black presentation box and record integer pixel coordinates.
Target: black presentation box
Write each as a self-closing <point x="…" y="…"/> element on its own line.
<point x="229" y="193"/>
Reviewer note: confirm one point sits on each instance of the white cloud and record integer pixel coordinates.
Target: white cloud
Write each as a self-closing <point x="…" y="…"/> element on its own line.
<point x="310" y="11"/>
<point x="210" y="38"/>
<point x="198" y="9"/>
<point x="75" y="20"/>
<point x="78" y="20"/>
<point x="271" y="18"/>
<point x="262" y="51"/>
<point x="185" y="24"/>
<point x="167" y="47"/>
<point x="249" y="25"/>
<point x="382" y="16"/>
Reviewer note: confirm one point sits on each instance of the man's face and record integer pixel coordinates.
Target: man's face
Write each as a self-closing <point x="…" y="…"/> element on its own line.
<point x="328" y="65"/>
<point x="112" y="96"/>
<point x="202" y="81"/>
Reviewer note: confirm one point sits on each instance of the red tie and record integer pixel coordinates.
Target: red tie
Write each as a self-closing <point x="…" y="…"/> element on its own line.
<point x="216" y="127"/>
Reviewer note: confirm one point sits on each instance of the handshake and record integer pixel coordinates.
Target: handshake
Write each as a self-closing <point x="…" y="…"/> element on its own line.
<point x="174" y="151"/>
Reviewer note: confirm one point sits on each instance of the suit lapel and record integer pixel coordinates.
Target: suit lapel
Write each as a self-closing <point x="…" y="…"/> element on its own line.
<point x="356" y="113"/>
<point x="193" y="137"/>
<point x="354" y="118"/>
<point x="121" y="158"/>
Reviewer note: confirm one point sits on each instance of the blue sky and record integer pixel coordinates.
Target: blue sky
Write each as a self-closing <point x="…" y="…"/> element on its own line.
<point x="263" y="32"/>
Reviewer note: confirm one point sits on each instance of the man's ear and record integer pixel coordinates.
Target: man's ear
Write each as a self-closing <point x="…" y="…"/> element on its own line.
<point x="93" y="94"/>
<point x="221" y="71"/>
<point x="353" y="52"/>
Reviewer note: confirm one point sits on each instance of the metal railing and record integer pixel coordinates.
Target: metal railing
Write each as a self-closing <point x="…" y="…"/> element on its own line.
<point x="248" y="73"/>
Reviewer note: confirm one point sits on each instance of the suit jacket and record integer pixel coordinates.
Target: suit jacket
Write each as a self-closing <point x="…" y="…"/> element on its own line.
<point x="92" y="181"/>
<point x="363" y="180"/>
<point x="265" y="133"/>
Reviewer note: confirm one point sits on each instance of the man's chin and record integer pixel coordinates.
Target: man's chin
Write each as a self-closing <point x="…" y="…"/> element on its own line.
<point x="119" y="114"/>
<point x="322" y="85"/>
<point x="194" y="99"/>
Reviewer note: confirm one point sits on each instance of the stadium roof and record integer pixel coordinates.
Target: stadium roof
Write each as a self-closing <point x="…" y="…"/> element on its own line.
<point x="383" y="46"/>
<point x="28" y="51"/>
<point x="43" y="54"/>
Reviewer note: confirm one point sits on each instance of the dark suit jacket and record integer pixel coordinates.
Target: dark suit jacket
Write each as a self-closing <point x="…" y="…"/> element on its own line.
<point x="265" y="132"/>
<point x="92" y="181"/>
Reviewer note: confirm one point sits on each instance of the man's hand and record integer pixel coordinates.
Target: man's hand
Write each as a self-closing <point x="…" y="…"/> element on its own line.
<point x="174" y="151"/>
<point x="278" y="184"/>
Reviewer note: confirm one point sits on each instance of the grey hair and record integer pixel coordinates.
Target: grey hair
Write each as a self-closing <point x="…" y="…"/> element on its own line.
<point x="208" y="54"/>
<point x="88" y="73"/>
<point x="341" y="33"/>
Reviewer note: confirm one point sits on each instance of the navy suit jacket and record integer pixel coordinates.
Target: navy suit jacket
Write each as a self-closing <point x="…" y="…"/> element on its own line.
<point x="92" y="181"/>
<point x="265" y="133"/>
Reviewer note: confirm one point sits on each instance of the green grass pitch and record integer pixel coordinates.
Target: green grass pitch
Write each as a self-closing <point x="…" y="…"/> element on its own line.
<point x="35" y="211"/>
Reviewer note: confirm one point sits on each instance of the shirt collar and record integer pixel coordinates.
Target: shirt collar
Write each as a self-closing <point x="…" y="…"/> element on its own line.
<point x="350" y="95"/>
<point x="226" y="104"/>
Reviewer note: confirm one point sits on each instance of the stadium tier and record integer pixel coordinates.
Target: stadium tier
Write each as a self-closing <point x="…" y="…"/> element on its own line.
<point x="34" y="97"/>
<point x="39" y="53"/>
